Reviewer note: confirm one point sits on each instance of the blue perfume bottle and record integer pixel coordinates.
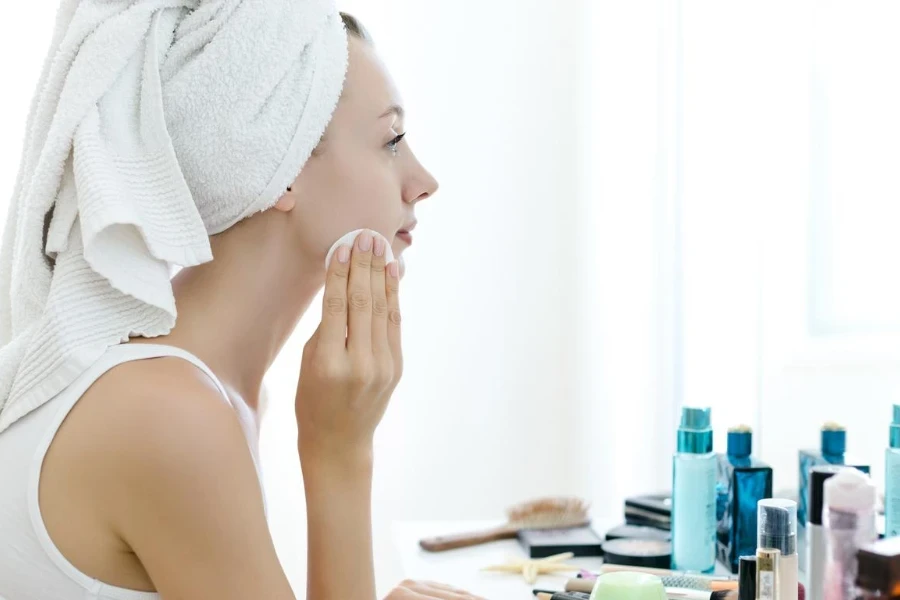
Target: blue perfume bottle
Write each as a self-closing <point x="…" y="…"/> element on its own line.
<point x="694" y="494"/>
<point x="742" y="482"/>
<point x="892" y="479"/>
<point x="833" y="447"/>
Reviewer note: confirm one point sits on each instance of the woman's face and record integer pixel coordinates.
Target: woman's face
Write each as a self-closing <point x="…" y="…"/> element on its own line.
<point x="364" y="174"/>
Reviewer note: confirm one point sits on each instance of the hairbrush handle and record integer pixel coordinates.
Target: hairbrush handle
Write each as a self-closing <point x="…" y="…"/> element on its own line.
<point x="465" y="540"/>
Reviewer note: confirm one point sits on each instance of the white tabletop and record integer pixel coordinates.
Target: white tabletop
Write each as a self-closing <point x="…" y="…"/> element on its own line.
<point x="463" y="568"/>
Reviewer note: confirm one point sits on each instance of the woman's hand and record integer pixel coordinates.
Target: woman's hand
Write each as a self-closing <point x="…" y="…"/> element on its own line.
<point x="353" y="362"/>
<point x="427" y="590"/>
<point x="350" y="368"/>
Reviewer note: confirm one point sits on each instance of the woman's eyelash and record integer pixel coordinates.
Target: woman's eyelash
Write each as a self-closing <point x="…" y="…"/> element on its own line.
<point x="392" y="145"/>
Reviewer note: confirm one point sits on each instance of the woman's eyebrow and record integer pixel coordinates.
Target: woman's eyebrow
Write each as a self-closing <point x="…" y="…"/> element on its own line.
<point x="394" y="109"/>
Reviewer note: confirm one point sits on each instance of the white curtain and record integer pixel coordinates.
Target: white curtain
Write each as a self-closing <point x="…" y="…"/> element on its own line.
<point x="789" y="214"/>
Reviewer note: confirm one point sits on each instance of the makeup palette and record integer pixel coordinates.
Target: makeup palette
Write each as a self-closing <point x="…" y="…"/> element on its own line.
<point x="580" y="541"/>
<point x="655" y="554"/>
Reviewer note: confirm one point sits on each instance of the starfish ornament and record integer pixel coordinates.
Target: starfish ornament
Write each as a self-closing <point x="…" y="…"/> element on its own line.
<point x="530" y="568"/>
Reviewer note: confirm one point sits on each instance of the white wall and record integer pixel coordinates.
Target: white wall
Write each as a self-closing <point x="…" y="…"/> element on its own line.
<point x="762" y="159"/>
<point x="24" y="39"/>
<point x="628" y="380"/>
<point x="489" y="334"/>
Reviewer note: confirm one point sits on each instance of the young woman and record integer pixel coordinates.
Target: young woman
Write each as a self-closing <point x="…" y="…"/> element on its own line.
<point x="140" y="480"/>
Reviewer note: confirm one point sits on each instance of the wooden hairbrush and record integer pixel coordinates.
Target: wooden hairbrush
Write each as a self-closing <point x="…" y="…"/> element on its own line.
<point x="543" y="513"/>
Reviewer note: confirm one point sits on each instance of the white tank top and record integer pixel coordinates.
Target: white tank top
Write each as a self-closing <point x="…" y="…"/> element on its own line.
<point x="31" y="566"/>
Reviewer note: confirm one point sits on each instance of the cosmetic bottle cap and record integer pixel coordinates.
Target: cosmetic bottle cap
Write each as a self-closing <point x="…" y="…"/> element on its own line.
<point x="695" y="434"/>
<point x="850" y="490"/>
<point x="777" y="525"/>
<point x="747" y="578"/>
<point x="879" y="567"/>
<point x="834" y="439"/>
<point x="895" y="428"/>
<point x="740" y="441"/>
<point x="817" y="478"/>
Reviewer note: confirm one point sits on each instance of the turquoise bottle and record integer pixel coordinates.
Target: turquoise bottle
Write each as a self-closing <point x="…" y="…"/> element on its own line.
<point x="892" y="479"/>
<point x="694" y="494"/>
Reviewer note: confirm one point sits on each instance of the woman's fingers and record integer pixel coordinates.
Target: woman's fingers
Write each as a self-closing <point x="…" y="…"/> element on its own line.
<point x="392" y="284"/>
<point x="379" y="305"/>
<point x="359" y="296"/>
<point x="332" y="330"/>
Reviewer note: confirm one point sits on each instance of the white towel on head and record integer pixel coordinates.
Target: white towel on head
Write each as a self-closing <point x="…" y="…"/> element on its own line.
<point x="155" y="124"/>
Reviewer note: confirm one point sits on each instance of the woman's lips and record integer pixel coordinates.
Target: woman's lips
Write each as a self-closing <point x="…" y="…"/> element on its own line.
<point x="405" y="237"/>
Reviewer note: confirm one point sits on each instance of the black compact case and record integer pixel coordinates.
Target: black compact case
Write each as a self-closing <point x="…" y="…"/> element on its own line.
<point x="580" y="541"/>
<point x="636" y="532"/>
<point x="651" y="510"/>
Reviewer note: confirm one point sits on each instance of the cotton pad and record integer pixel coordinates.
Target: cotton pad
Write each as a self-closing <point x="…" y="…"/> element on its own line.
<point x="349" y="238"/>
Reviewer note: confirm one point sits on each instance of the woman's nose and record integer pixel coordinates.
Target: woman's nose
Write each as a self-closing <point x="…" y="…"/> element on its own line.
<point x="422" y="185"/>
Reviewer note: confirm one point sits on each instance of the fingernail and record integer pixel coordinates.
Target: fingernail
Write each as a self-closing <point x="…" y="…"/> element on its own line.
<point x="394" y="269"/>
<point x="379" y="245"/>
<point x="365" y="241"/>
<point x="343" y="254"/>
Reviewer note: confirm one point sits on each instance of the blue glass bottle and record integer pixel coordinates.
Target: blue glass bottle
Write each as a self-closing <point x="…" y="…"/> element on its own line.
<point x="694" y="494"/>
<point x="892" y="479"/>
<point x="833" y="445"/>
<point x="742" y="482"/>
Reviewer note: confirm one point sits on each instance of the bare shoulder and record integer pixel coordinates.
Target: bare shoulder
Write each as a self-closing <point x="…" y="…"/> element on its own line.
<point x="169" y="389"/>
<point x="143" y="401"/>
<point x="162" y="465"/>
<point x="158" y="423"/>
<point x="143" y="423"/>
<point x="148" y="408"/>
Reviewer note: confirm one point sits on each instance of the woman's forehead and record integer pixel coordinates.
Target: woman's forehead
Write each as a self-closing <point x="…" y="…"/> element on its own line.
<point x="369" y="85"/>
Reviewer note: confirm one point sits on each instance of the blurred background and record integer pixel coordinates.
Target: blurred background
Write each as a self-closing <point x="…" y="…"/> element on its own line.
<point x="644" y="205"/>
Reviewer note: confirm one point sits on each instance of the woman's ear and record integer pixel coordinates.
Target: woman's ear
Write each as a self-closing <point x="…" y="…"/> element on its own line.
<point x="287" y="202"/>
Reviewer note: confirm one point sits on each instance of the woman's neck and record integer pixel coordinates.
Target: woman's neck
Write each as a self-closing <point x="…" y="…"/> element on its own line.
<point x="236" y="312"/>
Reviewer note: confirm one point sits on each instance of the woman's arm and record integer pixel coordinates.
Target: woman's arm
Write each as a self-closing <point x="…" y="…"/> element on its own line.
<point x="339" y="526"/>
<point x="349" y="371"/>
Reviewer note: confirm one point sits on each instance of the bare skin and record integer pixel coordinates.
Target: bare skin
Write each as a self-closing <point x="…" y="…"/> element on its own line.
<point x="150" y="485"/>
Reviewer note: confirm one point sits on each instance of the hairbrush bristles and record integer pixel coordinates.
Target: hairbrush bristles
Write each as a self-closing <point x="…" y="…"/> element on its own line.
<point x="547" y="513"/>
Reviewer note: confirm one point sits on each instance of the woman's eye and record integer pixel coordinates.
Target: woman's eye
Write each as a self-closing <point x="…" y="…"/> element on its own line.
<point x="394" y="143"/>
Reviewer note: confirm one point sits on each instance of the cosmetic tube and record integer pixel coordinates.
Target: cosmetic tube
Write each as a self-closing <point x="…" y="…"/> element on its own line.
<point x="767" y="584"/>
<point x="747" y="578"/>
<point x="817" y="541"/>
<point x="778" y="530"/>
<point x="849" y="524"/>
